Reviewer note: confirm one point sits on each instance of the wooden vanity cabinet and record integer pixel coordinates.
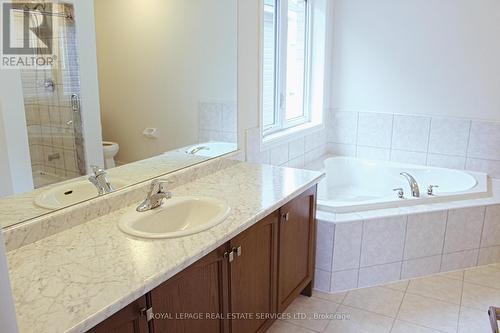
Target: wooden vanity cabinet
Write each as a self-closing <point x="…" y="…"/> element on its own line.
<point x="297" y="239"/>
<point x="253" y="276"/>
<point x="243" y="283"/>
<point x="198" y="290"/>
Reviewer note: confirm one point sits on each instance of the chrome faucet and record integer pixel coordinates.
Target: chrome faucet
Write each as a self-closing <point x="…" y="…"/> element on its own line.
<point x="157" y="193"/>
<point x="197" y="149"/>
<point x="100" y="181"/>
<point x="415" y="191"/>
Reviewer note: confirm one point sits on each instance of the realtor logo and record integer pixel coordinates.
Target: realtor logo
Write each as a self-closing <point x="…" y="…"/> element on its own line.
<point x="27" y="35"/>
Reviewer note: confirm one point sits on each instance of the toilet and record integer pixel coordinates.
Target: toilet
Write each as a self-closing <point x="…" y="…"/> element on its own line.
<point x="110" y="149"/>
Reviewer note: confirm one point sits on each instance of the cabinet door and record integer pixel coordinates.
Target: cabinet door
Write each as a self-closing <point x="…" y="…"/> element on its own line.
<point x="297" y="235"/>
<point x="185" y="300"/>
<point x="131" y="319"/>
<point x="253" y="276"/>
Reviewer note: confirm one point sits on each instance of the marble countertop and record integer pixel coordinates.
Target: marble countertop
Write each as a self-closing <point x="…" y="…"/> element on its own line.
<point x="71" y="281"/>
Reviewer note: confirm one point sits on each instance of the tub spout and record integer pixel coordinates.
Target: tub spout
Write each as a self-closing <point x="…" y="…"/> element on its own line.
<point x="415" y="191"/>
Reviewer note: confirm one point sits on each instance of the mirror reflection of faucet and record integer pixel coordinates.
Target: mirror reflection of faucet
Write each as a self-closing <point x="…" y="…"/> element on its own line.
<point x="100" y="180"/>
<point x="197" y="149"/>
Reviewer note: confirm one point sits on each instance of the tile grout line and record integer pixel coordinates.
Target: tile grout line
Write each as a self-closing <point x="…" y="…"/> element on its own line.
<point x="461" y="300"/>
<point x="366" y="310"/>
<point x="360" y="251"/>
<point x="432" y="298"/>
<point x="422" y="326"/>
<point x="333" y="256"/>
<point x="444" y="239"/>
<point x="392" y="136"/>
<point x="428" y="142"/>
<point x="404" y="248"/>
<point x="482" y="233"/>
<point x="400" y="306"/>
<point x="467" y="150"/>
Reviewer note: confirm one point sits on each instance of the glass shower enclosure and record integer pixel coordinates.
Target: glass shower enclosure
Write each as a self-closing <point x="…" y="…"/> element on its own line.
<point x="52" y="99"/>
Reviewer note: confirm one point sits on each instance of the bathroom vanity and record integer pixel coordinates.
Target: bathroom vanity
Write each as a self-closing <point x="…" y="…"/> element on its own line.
<point x="256" y="274"/>
<point x="93" y="277"/>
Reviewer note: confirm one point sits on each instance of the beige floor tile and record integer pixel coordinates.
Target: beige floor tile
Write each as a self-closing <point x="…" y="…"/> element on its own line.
<point x="311" y="307"/>
<point x="360" y="322"/>
<point x="473" y="321"/>
<point x="379" y="300"/>
<point x="438" y="287"/>
<point x="496" y="266"/>
<point x="480" y="297"/>
<point x="280" y="326"/>
<point x="457" y="275"/>
<point x="336" y="298"/>
<point x="484" y="275"/>
<point x="401" y="286"/>
<point x="404" y="327"/>
<point x="429" y="313"/>
<point x="431" y="305"/>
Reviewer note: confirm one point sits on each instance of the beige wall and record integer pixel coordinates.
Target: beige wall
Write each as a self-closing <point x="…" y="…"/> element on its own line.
<point x="417" y="57"/>
<point x="157" y="59"/>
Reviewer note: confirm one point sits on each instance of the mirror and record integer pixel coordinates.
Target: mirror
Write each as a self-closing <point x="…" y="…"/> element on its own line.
<point x="123" y="91"/>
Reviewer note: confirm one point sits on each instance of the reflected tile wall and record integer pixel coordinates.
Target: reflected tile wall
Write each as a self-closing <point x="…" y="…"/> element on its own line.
<point x="217" y="121"/>
<point x="49" y="116"/>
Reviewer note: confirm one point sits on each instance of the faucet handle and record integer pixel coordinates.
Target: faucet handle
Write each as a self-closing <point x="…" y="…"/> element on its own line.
<point x="95" y="182"/>
<point x="401" y="193"/>
<point x="159" y="185"/>
<point x="97" y="170"/>
<point x="430" y="189"/>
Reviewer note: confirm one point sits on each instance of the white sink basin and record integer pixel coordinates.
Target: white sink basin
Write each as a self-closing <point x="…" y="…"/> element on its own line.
<point x="177" y="217"/>
<point x="71" y="193"/>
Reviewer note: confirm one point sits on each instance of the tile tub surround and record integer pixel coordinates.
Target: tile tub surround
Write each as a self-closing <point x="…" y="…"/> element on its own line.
<point x="356" y="251"/>
<point x="455" y="143"/>
<point x="72" y="280"/>
<point x="15" y="209"/>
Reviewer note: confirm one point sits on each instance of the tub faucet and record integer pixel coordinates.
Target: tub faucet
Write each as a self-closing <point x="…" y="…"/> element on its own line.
<point x="415" y="191"/>
<point x="100" y="181"/>
<point x="157" y="193"/>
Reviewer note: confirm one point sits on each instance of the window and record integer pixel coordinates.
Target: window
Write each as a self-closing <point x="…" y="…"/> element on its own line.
<point x="285" y="65"/>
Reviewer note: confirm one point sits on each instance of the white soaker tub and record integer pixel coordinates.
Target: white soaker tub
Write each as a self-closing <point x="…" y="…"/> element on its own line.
<point x="354" y="184"/>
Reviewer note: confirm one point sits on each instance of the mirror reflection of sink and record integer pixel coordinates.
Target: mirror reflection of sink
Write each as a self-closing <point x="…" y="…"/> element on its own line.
<point x="177" y="217"/>
<point x="71" y="193"/>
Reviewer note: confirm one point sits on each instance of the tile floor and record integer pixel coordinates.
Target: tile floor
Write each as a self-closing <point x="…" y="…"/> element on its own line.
<point x="455" y="302"/>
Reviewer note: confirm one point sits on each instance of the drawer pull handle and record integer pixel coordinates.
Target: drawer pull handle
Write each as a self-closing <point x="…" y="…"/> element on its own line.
<point x="285" y="216"/>
<point x="148" y="313"/>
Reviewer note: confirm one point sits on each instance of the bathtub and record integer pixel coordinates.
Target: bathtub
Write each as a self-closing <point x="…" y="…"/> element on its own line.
<point x="353" y="185"/>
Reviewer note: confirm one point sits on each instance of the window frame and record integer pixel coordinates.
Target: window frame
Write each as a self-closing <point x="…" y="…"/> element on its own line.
<point x="280" y="70"/>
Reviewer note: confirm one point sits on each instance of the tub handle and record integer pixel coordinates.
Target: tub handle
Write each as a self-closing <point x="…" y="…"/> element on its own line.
<point x="430" y="189"/>
<point x="401" y="193"/>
